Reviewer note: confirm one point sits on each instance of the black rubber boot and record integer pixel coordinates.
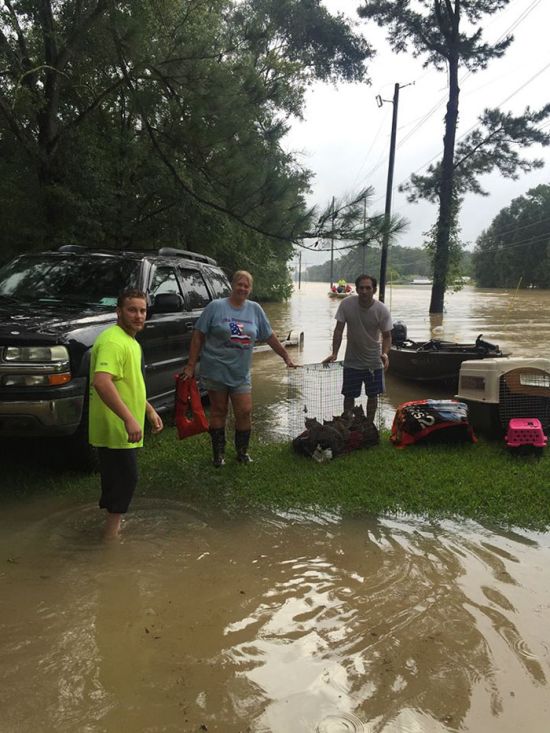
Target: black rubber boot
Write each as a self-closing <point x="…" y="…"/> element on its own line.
<point x="242" y="439"/>
<point x="217" y="436"/>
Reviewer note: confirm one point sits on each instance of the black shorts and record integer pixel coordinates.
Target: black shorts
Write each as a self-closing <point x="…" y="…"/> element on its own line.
<point x="119" y="477"/>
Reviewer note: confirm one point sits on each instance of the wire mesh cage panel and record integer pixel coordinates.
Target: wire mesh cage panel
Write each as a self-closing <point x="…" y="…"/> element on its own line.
<point x="315" y="390"/>
<point x="525" y="393"/>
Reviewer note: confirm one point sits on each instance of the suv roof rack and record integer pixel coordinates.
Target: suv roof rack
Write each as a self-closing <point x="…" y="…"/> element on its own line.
<point x="174" y="252"/>
<point x="80" y="249"/>
<point x="163" y="252"/>
<point x="76" y="248"/>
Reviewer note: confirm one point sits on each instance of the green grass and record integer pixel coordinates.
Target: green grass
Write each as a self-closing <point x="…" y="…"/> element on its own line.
<point x="483" y="482"/>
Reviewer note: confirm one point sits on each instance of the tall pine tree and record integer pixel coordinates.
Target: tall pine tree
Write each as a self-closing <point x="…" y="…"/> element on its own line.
<point x="436" y="31"/>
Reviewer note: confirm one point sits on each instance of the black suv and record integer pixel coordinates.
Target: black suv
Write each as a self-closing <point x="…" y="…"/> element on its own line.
<point x="54" y="304"/>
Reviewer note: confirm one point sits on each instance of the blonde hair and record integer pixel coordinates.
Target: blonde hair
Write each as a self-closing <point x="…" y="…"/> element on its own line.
<point x="242" y="273"/>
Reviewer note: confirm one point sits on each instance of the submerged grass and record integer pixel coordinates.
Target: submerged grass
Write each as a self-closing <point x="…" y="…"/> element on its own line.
<point x="483" y="482"/>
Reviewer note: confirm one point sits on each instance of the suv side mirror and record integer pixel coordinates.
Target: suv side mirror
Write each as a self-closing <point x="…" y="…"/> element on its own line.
<point x="167" y="303"/>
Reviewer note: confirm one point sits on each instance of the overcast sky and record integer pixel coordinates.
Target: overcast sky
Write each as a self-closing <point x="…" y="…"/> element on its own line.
<point x="344" y="137"/>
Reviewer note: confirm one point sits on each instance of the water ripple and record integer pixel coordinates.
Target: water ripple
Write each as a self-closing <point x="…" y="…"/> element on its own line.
<point x="274" y="625"/>
<point x="343" y="723"/>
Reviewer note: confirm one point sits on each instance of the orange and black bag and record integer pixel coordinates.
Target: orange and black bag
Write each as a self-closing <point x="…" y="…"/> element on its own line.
<point x="190" y="417"/>
<point x="429" y="420"/>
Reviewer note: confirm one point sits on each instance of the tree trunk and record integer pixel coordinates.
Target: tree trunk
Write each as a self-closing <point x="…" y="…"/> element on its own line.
<point x="58" y="53"/>
<point x="445" y="217"/>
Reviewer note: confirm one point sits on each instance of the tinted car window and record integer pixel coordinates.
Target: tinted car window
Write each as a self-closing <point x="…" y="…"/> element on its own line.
<point x="219" y="282"/>
<point x="79" y="280"/>
<point x="164" y="281"/>
<point x="194" y="288"/>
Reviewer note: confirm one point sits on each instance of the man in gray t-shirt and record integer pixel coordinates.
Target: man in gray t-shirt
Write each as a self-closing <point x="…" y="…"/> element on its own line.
<point x="364" y="362"/>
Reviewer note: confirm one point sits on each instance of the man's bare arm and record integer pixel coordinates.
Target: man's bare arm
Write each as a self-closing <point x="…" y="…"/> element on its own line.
<point x="386" y="346"/>
<point x="336" y="342"/>
<point x="154" y="418"/>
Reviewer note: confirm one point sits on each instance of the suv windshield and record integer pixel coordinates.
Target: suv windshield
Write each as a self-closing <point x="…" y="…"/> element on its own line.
<point x="78" y="280"/>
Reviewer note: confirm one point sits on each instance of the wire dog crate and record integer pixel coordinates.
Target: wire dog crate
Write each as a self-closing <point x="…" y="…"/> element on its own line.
<point x="315" y="390"/>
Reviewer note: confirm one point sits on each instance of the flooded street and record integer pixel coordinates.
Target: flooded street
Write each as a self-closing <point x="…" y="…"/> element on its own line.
<point x="282" y="623"/>
<point x="519" y="322"/>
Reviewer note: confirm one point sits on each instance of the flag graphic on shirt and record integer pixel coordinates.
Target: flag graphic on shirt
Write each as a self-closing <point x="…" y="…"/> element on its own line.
<point x="237" y="334"/>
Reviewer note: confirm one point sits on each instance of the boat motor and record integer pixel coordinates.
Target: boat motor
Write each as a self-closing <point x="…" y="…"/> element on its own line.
<point x="399" y="333"/>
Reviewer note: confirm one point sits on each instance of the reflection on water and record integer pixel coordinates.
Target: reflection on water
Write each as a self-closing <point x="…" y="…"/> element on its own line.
<point x="312" y="623"/>
<point x="518" y="322"/>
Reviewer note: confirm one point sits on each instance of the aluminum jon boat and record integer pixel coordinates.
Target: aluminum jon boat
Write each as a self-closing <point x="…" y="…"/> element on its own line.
<point x="436" y="360"/>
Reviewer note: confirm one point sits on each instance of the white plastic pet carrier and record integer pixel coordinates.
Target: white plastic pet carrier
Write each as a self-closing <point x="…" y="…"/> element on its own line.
<point x="497" y="390"/>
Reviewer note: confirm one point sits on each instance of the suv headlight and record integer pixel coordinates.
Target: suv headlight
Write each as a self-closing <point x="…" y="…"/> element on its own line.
<point x="34" y="366"/>
<point x="34" y="354"/>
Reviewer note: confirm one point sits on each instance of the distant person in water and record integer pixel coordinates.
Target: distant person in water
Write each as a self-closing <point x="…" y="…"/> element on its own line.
<point x="223" y="338"/>
<point x="118" y="407"/>
<point x="369" y="327"/>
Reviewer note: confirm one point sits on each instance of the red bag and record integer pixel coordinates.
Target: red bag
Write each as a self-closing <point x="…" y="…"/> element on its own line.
<point x="190" y="417"/>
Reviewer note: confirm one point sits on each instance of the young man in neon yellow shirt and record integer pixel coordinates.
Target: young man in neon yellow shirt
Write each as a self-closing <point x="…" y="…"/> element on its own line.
<point x="118" y="406"/>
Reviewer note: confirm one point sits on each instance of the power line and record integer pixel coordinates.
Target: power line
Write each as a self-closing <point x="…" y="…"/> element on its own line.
<point x="438" y="104"/>
<point x="443" y="99"/>
<point x="377" y="135"/>
<point x="538" y="73"/>
<point x="524" y="226"/>
<point x="355" y="245"/>
<point x="497" y="248"/>
<point x="522" y="243"/>
<point x="523" y="15"/>
<point x="532" y="78"/>
<point x="518" y="20"/>
<point x="422" y="122"/>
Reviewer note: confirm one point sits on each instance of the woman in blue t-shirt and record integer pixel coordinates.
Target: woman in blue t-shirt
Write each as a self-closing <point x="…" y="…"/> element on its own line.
<point x="224" y="336"/>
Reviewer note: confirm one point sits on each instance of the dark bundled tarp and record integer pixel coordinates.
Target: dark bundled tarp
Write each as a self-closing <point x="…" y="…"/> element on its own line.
<point x="434" y="420"/>
<point x="339" y="436"/>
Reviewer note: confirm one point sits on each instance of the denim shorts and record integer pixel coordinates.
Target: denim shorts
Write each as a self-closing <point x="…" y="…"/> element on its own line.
<point x="212" y="386"/>
<point x="373" y="379"/>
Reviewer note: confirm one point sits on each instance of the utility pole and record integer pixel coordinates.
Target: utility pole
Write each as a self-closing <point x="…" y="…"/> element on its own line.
<point x="299" y="270"/>
<point x="364" y="234"/>
<point x="332" y="246"/>
<point x="389" y="188"/>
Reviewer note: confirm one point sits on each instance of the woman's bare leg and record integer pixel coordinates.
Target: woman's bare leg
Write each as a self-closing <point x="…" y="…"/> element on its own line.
<point x="218" y="408"/>
<point x="242" y="407"/>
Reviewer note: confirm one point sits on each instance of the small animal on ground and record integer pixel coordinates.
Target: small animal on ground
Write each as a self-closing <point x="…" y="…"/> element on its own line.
<point x="324" y="435"/>
<point x="339" y="424"/>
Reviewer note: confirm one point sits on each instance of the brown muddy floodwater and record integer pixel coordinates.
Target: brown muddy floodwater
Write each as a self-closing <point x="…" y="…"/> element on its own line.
<point x="518" y="321"/>
<point x="282" y="623"/>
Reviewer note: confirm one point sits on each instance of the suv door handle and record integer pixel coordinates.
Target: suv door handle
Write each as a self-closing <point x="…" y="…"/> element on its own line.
<point x="189" y="326"/>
